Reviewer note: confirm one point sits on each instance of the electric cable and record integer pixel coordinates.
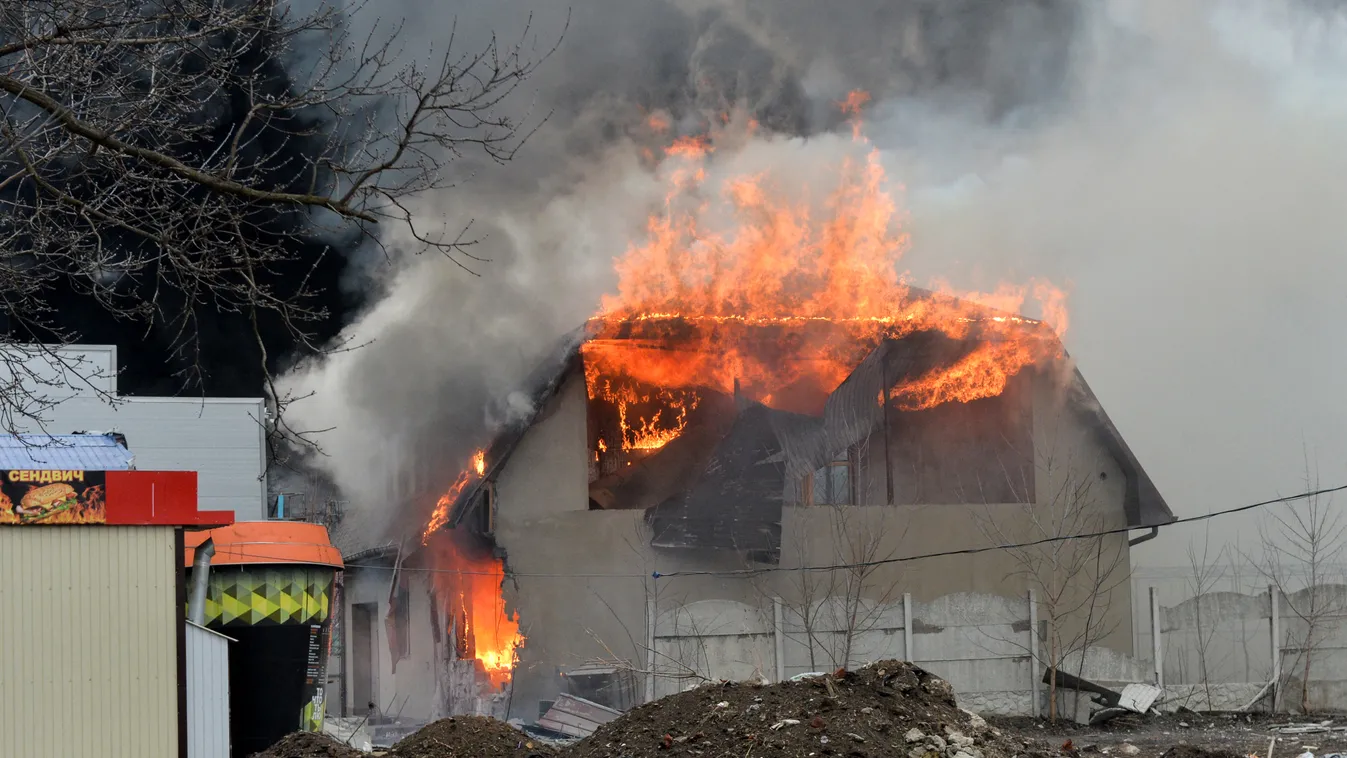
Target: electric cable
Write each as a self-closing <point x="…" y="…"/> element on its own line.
<point x="1010" y="546"/>
<point x="727" y="573"/>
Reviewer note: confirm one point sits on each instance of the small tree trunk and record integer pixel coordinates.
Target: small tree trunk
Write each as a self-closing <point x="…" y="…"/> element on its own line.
<point x="1052" y="674"/>
<point x="1305" y="679"/>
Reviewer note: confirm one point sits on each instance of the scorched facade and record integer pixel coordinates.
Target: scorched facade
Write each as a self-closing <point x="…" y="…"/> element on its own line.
<point x="679" y="560"/>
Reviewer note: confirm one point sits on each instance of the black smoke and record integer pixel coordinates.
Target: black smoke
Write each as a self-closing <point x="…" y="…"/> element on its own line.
<point x="785" y="61"/>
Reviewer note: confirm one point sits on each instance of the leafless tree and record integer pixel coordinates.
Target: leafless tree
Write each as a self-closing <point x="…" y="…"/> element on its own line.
<point x="1303" y="545"/>
<point x="1205" y="572"/>
<point x="1073" y="578"/>
<point x="829" y="609"/>
<point x="117" y="179"/>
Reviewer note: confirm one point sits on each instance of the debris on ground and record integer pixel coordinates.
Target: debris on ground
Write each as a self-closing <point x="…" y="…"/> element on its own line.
<point x="1138" y="698"/>
<point x="1315" y="728"/>
<point x="309" y="745"/>
<point x="890" y="708"/>
<point x="1190" y="751"/>
<point x="470" y="737"/>
<point x="575" y="716"/>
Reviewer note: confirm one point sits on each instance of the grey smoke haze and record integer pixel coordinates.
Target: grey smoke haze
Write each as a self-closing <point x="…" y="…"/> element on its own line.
<point x="1178" y="165"/>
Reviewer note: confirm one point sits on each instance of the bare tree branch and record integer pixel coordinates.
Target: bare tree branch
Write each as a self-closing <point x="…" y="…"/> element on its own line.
<point x="201" y="146"/>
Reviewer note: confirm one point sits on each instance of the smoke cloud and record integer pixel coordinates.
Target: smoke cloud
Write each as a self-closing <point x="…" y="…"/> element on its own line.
<point x="1178" y="165"/>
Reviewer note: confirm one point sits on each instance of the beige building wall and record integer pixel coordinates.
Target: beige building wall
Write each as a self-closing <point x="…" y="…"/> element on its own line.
<point x="89" y="620"/>
<point x="584" y="581"/>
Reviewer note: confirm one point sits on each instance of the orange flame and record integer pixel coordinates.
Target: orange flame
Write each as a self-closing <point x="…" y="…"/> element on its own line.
<point x="440" y="515"/>
<point x="658" y="122"/>
<point x="469" y="591"/>
<point x="851" y="106"/>
<point x="641" y="432"/>
<point x="469" y="587"/>
<point x="784" y="302"/>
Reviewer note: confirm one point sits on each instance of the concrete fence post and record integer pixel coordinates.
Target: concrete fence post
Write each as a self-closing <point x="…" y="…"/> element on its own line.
<point x="778" y="624"/>
<point x="907" y="628"/>
<point x="1033" y="653"/>
<point x="650" y="649"/>
<point x="1157" y="643"/>
<point x="1275" y="621"/>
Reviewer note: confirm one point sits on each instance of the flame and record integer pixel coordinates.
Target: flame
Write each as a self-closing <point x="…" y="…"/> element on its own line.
<point x="468" y="589"/>
<point x="642" y="432"/>
<point x="469" y="586"/>
<point x="658" y="122"/>
<point x="784" y="302"/>
<point x="440" y="515"/>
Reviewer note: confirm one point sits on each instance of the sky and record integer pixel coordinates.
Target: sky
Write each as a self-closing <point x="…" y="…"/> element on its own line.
<point x="1178" y="167"/>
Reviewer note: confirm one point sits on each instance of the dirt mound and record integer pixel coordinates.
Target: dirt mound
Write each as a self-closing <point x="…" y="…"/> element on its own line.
<point x="309" y="745"/>
<point x="470" y="737"/>
<point x="890" y="708"/>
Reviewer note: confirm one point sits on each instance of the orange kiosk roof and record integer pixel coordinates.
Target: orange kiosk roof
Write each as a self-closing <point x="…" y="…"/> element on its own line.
<point x="267" y="542"/>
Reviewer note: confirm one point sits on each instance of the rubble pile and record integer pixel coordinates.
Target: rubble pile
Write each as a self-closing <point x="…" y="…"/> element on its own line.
<point x="890" y="708"/>
<point x="470" y="737"/>
<point x="309" y="745"/>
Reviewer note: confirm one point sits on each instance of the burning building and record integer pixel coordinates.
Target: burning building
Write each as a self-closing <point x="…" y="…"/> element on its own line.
<point x="750" y="435"/>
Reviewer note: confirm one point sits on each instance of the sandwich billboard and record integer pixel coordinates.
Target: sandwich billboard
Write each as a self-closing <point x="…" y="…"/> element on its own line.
<point x="53" y="497"/>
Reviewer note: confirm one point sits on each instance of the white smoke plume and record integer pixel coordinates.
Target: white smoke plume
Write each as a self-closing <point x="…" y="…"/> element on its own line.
<point x="1178" y="165"/>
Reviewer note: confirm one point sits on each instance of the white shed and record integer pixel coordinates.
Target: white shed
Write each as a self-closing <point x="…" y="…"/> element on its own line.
<point x="207" y="693"/>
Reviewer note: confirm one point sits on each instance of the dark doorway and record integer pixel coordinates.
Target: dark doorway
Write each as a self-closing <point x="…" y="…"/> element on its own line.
<point x="266" y="684"/>
<point x="362" y="641"/>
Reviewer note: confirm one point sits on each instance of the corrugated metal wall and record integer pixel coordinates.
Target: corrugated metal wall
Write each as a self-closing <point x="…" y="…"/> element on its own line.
<point x="207" y="693"/>
<point x="88" y="642"/>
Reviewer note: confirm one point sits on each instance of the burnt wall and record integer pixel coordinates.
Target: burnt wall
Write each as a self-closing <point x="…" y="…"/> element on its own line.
<point x="975" y="452"/>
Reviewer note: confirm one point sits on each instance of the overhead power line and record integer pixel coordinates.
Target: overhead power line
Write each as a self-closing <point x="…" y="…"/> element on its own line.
<point x="842" y="566"/>
<point x="1011" y="546"/>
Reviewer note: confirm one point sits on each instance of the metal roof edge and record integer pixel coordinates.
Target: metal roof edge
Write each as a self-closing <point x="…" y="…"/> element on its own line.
<point x="378" y="551"/>
<point x="197" y="400"/>
<point x="190" y="622"/>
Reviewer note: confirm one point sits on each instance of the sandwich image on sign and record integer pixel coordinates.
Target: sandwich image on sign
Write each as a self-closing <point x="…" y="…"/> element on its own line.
<point x="41" y="502"/>
<point x="58" y="503"/>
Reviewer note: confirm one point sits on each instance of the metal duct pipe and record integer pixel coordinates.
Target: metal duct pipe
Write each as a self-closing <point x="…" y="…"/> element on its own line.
<point x="196" y="608"/>
<point x="1155" y="530"/>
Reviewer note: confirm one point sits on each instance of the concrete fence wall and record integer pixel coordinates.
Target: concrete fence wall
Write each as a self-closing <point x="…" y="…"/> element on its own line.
<point x="981" y="643"/>
<point x="1216" y="650"/>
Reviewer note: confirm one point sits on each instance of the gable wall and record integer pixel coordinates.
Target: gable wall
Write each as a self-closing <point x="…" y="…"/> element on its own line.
<point x="583" y="584"/>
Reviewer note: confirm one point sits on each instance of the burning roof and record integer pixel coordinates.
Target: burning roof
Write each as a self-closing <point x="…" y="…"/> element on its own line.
<point x="796" y="311"/>
<point x="749" y="459"/>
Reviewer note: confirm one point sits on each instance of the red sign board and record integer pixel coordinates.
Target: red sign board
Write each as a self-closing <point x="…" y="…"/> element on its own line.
<point x="139" y="498"/>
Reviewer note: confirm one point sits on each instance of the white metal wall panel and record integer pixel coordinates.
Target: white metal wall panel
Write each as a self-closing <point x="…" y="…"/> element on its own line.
<point x="88" y="620"/>
<point x="61" y="371"/>
<point x="207" y="693"/>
